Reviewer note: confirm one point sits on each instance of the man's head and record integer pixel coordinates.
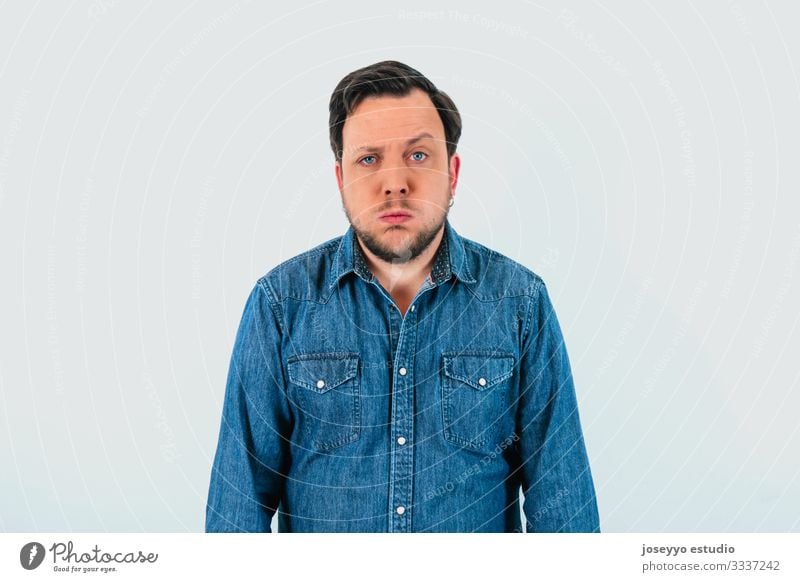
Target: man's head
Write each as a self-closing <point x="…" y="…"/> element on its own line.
<point x="394" y="136"/>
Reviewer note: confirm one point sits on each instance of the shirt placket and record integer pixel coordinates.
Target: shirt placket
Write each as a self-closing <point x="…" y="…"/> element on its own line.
<point x="402" y="429"/>
<point x="401" y="477"/>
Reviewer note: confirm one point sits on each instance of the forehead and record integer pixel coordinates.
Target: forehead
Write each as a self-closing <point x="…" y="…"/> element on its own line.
<point x="389" y="117"/>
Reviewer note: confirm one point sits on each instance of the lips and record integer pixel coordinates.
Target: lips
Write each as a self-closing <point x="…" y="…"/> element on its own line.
<point x="395" y="216"/>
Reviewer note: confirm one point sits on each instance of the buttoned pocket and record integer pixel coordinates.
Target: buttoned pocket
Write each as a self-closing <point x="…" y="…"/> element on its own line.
<point x="476" y="398"/>
<point x="325" y="389"/>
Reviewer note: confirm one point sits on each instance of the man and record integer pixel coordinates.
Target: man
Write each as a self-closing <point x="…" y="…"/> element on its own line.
<point x="399" y="378"/>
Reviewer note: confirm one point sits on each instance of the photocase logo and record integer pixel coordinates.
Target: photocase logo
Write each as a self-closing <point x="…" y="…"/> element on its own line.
<point x="31" y="555"/>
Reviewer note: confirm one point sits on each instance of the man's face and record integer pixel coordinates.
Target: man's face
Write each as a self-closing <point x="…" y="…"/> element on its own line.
<point x="394" y="176"/>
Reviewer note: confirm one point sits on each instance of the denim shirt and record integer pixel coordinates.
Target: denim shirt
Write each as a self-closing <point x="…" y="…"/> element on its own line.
<point x="344" y="415"/>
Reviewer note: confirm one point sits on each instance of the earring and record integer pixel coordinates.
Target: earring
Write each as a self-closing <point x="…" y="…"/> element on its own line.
<point x="452" y="201"/>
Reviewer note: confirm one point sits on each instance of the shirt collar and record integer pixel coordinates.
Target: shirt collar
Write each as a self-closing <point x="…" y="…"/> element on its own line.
<point x="450" y="259"/>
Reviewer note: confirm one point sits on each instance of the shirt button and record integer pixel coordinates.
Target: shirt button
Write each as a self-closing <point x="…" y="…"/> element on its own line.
<point x="401" y="440"/>
<point x="482" y="381"/>
<point x="400" y="510"/>
<point x="320" y="383"/>
<point x="413" y="307"/>
<point x="402" y="371"/>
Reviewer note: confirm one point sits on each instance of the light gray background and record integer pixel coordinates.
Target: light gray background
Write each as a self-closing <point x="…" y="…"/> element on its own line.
<point x="157" y="158"/>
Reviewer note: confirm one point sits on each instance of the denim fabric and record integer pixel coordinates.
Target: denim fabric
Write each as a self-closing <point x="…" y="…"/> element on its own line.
<point x="344" y="415"/>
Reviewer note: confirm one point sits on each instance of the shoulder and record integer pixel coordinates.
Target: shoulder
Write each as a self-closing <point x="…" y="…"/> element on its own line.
<point x="496" y="275"/>
<point x="304" y="276"/>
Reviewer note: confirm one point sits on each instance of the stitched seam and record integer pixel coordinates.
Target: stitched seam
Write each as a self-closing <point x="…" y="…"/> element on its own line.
<point x="351" y="362"/>
<point x="528" y="317"/>
<point x="276" y="308"/>
<point x="451" y="356"/>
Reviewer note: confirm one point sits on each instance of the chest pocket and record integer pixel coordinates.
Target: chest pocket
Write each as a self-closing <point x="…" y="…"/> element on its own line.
<point x="476" y="398"/>
<point x="324" y="388"/>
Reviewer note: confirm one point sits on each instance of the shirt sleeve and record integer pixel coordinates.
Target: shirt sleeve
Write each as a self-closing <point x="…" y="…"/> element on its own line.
<point x="252" y="455"/>
<point x="556" y="478"/>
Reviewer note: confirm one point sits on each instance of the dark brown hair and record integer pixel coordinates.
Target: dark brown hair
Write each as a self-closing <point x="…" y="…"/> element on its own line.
<point x="388" y="78"/>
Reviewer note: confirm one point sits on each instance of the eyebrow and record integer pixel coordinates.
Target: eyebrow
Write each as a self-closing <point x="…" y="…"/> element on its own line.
<point x="414" y="139"/>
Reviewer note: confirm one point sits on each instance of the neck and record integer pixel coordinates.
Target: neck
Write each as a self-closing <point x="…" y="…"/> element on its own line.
<point x="403" y="278"/>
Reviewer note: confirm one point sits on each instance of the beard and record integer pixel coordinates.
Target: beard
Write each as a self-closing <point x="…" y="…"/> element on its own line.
<point x="412" y="246"/>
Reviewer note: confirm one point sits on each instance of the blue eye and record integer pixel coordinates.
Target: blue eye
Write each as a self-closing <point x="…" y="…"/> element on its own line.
<point x="365" y="161"/>
<point x="419" y="159"/>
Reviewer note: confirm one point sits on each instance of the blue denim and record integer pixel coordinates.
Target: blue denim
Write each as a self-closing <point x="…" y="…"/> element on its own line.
<point x="343" y="415"/>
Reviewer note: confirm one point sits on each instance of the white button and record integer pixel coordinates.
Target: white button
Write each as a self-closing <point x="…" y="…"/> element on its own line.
<point x="320" y="383"/>
<point x="401" y="440"/>
<point x="413" y="307"/>
<point x="400" y="510"/>
<point x="482" y="381"/>
<point x="402" y="371"/>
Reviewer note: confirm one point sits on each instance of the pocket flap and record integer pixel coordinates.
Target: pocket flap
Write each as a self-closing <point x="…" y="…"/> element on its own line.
<point x="479" y="370"/>
<point x="322" y="372"/>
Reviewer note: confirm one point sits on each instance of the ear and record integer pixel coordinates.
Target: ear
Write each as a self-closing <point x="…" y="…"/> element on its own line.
<point x="455" y="166"/>
<point x="339" y="179"/>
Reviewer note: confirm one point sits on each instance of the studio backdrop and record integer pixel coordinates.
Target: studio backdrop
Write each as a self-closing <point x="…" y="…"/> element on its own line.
<point x="156" y="159"/>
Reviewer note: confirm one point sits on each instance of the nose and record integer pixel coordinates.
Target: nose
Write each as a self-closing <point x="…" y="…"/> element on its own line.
<point x="395" y="181"/>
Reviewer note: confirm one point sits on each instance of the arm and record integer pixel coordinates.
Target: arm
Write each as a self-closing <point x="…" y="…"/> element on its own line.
<point x="252" y="453"/>
<point x="556" y="478"/>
